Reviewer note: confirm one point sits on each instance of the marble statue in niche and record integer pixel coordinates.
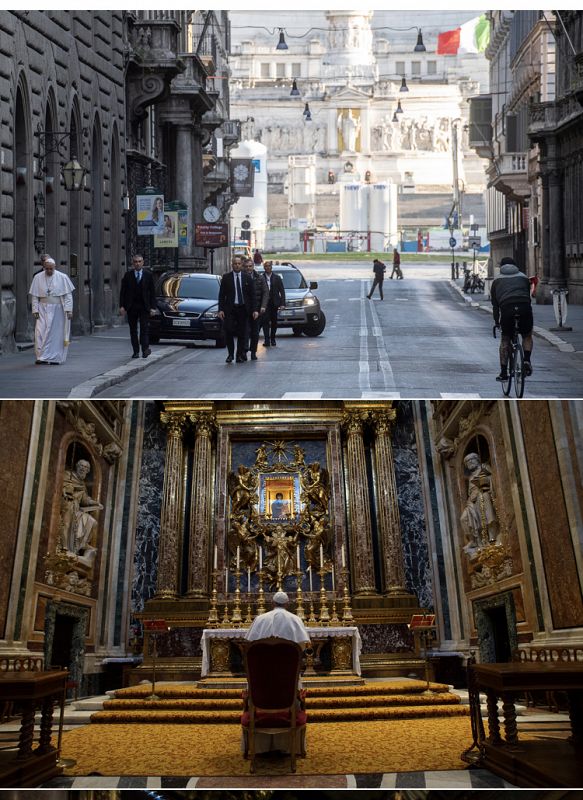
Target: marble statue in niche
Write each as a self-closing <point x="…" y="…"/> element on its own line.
<point x="440" y="134"/>
<point x="349" y="126"/>
<point x="77" y="513"/>
<point x="478" y="519"/>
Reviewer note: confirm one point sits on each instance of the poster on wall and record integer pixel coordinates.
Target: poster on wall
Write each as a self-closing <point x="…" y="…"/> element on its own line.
<point x="242" y="176"/>
<point x="150" y="214"/>
<point x="182" y="228"/>
<point x="169" y="236"/>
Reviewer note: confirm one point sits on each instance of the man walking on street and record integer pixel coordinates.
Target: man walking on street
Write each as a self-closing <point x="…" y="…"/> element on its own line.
<point x="52" y="309"/>
<point x="276" y="294"/>
<point x="510" y="290"/>
<point x="379" y="275"/>
<point x="260" y="298"/>
<point x="138" y="301"/>
<point x="397" y="265"/>
<point x="236" y="309"/>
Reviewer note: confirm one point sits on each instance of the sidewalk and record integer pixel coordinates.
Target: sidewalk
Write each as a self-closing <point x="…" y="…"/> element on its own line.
<point x="93" y="364"/>
<point x="544" y="320"/>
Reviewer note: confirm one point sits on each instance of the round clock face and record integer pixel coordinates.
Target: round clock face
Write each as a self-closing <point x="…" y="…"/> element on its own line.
<point x="241" y="172"/>
<point x="211" y="213"/>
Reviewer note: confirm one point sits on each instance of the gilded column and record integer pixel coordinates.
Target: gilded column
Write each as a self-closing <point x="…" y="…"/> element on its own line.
<point x="171" y="513"/>
<point x="200" y="506"/>
<point x="358" y="504"/>
<point x="387" y="506"/>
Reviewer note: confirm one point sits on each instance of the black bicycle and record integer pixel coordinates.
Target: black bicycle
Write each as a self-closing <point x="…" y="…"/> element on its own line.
<point x="515" y="371"/>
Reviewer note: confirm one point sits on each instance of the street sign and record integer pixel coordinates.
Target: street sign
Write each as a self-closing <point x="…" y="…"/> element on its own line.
<point x="452" y="242"/>
<point x="474" y="242"/>
<point x="245" y="224"/>
<point x="208" y="235"/>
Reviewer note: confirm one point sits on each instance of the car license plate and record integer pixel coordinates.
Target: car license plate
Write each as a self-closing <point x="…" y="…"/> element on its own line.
<point x="287" y="313"/>
<point x="183" y="323"/>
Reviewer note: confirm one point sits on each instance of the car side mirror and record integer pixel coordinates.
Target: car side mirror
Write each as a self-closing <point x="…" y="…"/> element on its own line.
<point x="313" y="284"/>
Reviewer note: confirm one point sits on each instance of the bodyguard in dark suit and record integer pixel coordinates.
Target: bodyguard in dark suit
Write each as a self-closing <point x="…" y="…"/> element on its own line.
<point x="138" y="301"/>
<point x="276" y="301"/>
<point x="261" y="299"/>
<point x="236" y="308"/>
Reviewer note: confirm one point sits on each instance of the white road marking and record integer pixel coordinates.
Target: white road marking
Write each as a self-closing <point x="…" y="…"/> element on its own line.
<point x="459" y="396"/>
<point x="364" y="368"/>
<point x="302" y="396"/>
<point x="384" y="363"/>
<point x="380" y="396"/>
<point x="218" y="396"/>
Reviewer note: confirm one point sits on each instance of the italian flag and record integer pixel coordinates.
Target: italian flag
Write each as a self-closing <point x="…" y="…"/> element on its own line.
<point x="471" y="37"/>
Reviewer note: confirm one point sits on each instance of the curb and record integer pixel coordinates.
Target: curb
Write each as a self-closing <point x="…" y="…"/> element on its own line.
<point x="101" y="382"/>
<point x="543" y="333"/>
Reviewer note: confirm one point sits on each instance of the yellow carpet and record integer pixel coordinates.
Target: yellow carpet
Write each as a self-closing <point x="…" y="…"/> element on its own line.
<point x="214" y="750"/>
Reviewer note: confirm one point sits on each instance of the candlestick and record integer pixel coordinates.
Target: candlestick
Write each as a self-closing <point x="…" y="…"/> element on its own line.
<point x="261" y="600"/>
<point x="347" y="618"/>
<point x="260" y="558"/>
<point x="248" y="580"/>
<point x="236" y="618"/>
<point x="213" y="620"/>
<point x="334" y="620"/>
<point x="310" y="574"/>
<point x="216" y="561"/>
<point x="324" y="614"/>
<point x="312" y="621"/>
<point x="343" y="557"/>
<point x="321" y="557"/>
<point x="300" y="597"/>
<point x="238" y="557"/>
<point x="298" y="555"/>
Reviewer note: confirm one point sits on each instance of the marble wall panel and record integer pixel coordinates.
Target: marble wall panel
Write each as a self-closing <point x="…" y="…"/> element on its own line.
<point x="15" y="425"/>
<point x="149" y="504"/>
<point x="564" y="590"/>
<point x="411" y="509"/>
<point x="180" y="643"/>
<point x="385" y="638"/>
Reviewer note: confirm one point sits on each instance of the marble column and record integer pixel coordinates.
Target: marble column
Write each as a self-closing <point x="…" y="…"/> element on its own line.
<point x="171" y="511"/>
<point x="361" y="548"/>
<point x="387" y="505"/>
<point x="200" y="507"/>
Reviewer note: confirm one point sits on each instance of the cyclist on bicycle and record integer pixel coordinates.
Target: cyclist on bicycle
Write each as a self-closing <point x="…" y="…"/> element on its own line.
<point x="510" y="290"/>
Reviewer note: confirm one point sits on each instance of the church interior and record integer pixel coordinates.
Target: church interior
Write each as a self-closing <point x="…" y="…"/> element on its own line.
<point x="433" y="551"/>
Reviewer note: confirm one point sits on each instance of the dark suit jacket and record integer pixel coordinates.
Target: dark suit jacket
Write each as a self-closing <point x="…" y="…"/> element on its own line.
<point x="137" y="295"/>
<point x="227" y="293"/>
<point x="277" y="292"/>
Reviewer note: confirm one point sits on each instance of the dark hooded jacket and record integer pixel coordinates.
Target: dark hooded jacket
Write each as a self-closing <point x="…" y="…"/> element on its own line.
<point x="510" y="287"/>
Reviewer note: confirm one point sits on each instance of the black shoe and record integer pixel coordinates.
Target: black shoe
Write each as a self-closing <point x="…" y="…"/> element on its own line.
<point x="146" y="353"/>
<point x="253" y="356"/>
<point x="229" y="359"/>
<point x="239" y="360"/>
<point x="243" y="356"/>
<point x="273" y="343"/>
<point x="368" y="297"/>
<point x="136" y="354"/>
<point x="527" y="367"/>
<point x="266" y="344"/>
<point x="502" y="377"/>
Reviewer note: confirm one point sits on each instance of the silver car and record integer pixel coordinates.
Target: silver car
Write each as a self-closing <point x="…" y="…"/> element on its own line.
<point x="302" y="312"/>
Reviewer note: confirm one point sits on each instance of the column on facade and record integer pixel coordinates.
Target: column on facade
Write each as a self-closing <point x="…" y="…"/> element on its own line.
<point x="183" y="177"/>
<point x="387" y="505"/>
<point x="171" y="511"/>
<point x="553" y="243"/>
<point x="358" y="503"/>
<point x="200" y="506"/>
<point x="365" y="130"/>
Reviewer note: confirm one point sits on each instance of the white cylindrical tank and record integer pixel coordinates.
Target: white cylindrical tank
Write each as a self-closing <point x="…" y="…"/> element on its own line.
<point x="353" y="207"/>
<point x="252" y="208"/>
<point x="382" y="217"/>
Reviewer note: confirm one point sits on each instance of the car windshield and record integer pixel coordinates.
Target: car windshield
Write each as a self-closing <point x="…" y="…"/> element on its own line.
<point x="292" y="279"/>
<point x="190" y="286"/>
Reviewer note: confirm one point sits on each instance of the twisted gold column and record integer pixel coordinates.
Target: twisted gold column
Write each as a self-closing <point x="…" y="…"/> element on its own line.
<point x="360" y="525"/>
<point x="200" y="506"/>
<point x="387" y="506"/>
<point x="170" y="514"/>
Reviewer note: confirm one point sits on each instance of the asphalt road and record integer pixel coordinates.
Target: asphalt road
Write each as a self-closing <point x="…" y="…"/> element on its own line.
<point x="422" y="341"/>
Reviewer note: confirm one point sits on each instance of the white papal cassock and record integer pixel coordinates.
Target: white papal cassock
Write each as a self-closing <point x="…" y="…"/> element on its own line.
<point x="281" y="623"/>
<point x="52" y="297"/>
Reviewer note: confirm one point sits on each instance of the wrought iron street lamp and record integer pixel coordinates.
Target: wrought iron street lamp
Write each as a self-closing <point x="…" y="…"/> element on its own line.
<point x="73" y="174"/>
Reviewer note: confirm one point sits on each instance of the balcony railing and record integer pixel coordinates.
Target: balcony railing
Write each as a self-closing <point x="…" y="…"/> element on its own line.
<point x="512" y="163"/>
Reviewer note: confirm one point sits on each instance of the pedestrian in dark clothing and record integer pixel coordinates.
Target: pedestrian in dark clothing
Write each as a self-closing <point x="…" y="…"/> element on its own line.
<point x="261" y="298"/>
<point x="257" y="258"/>
<point x="236" y="308"/>
<point x="276" y="294"/>
<point x="397" y="265"/>
<point x="379" y="270"/>
<point x="138" y="301"/>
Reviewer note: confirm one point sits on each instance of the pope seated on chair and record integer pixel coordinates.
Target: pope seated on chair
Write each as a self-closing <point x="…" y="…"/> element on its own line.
<point x="272" y="664"/>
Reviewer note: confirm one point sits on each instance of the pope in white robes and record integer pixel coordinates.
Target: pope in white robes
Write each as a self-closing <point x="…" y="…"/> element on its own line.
<point x="279" y="622"/>
<point x="52" y="308"/>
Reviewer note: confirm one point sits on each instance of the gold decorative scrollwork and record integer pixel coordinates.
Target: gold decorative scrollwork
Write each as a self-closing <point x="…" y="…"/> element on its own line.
<point x="341" y="653"/>
<point x="219" y="655"/>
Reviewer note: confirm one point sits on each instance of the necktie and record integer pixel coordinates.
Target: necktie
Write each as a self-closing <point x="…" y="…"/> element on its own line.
<point x="239" y="298"/>
<point x="139" y="276"/>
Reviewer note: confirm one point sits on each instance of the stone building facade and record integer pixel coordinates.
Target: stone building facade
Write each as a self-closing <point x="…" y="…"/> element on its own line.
<point x="61" y="73"/>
